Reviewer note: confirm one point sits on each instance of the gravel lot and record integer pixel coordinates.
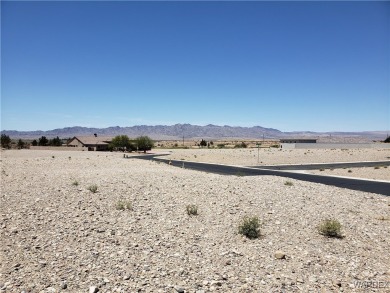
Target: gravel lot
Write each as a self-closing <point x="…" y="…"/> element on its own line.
<point x="58" y="236"/>
<point x="274" y="156"/>
<point x="375" y="173"/>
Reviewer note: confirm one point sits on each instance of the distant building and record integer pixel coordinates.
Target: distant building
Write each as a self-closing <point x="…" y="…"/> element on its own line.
<point x="298" y="140"/>
<point x="90" y="143"/>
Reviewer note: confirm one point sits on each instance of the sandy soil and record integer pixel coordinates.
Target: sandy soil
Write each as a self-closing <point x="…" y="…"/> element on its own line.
<point x="375" y="173"/>
<point x="273" y="156"/>
<point x="58" y="236"/>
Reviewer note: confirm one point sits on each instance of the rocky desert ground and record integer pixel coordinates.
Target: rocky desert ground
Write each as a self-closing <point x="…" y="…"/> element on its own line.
<point x="59" y="236"/>
<point x="277" y="156"/>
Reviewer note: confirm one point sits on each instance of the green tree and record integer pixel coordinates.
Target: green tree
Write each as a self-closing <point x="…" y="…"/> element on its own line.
<point x="121" y="143"/>
<point x="5" y="141"/>
<point x="203" y="143"/>
<point x="387" y="140"/>
<point x="21" y="144"/>
<point x="34" y="142"/>
<point x="43" y="141"/>
<point x="55" y="142"/>
<point x="144" y="143"/>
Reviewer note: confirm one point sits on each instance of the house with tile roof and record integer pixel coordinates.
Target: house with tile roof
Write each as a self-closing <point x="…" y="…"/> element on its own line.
<point x="90" y="143"/>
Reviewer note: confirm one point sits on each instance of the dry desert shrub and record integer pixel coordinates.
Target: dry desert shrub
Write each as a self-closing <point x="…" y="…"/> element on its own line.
<point x="250" y="227"/>
<point x="93" y="188"/>
<point x="330" y="228"/>
<point x="192" y="210"/>
<point x="124" y="205"/>
<point x="288" y="183"/>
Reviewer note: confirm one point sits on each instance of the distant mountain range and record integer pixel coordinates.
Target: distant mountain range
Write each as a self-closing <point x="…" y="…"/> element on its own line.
<point x="177" y="131"/>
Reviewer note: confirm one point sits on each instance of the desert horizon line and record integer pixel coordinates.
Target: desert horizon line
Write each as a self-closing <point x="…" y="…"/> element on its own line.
<point x="190" y="124"/>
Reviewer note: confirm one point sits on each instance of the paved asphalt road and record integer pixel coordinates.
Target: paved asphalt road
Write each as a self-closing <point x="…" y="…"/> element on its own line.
<point x="350" y="183"/>
<point x="326" y="166"/>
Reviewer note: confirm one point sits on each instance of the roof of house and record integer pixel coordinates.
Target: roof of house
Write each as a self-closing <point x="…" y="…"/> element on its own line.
<point x="92" y="140"/>
<point x="299" y="139"/>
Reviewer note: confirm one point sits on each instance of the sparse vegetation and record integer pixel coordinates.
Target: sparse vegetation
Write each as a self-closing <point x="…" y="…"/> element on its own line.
<point x="322" y="169"/>
<point x="377" y="167"/>
<point x="93" y="188"/>
<point x="75" y="183"/>
<point x="124" y="205"/>
<point x="21" y="144"/>
<point x="250" y="227"/>
<point x="241" y="145"/>
<point x="121" y="143"/>
<point x="349" y="171"/>
<point x="203" y="143"/>
<point x="330" y="228"/>
<point x="5" y="141"/>
<point x="192" y="210"/>
<point x="144" y="143"/>
<point x="288" y="183"/>
<point x="55" y="141"/>
<point x="43" y="141"/>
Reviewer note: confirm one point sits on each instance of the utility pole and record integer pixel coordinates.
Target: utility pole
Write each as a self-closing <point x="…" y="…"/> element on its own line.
<point x="183" y="140"/>
<point x="258" y="153"/>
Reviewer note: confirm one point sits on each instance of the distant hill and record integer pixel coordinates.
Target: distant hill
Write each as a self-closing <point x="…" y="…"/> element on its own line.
<point x="177" y="131"/>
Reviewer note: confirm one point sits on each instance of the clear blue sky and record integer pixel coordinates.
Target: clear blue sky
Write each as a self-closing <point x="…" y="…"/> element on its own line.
<point x="320" y="66"/>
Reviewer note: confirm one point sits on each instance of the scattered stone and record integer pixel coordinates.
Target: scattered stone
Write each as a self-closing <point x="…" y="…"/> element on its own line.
<point x="93" y="289"/>
<point x="156" y="248"/>
<point x="312" y="279"/>
<point x="280" y="255"/>
<point x="179" y="289"/>
<point x="337" y="283"/>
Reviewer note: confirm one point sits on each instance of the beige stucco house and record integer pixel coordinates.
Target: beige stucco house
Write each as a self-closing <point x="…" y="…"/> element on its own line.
<point x="90" y="143"/>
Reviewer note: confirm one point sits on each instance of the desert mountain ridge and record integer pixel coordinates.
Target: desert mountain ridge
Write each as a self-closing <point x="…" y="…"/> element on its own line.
<point x="189" y="131"/>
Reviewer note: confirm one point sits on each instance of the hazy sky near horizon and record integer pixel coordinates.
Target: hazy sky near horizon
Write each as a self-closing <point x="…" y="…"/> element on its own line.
<point x="318" y="66"/>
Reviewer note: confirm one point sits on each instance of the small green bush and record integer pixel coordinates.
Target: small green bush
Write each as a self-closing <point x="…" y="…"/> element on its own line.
<point x="192" y="210"/>
<point x="288" y="183"/>
<point x="75" y="183"/>
<point x="330" y="228"/>
<point x="124" y="205"/>
<point x="93" y="188"/>
<point x="250" y="227"/>
<point x="349" y="171"/>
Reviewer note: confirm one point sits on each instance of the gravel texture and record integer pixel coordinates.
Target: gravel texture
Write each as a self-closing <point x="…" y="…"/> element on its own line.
<point x="58" y="236"/>
<point x="376" y="173"/>
<point x="274" y="156"/>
